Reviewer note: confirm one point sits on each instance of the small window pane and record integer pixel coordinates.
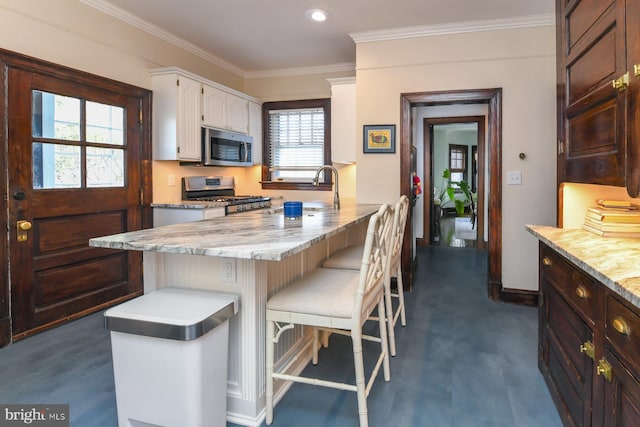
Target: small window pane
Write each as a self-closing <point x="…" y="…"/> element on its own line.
<point x="56" y="166"/>
<point x="105" y="123"/>
<point x="105" y="167"/>
<point x="55" y="116"/>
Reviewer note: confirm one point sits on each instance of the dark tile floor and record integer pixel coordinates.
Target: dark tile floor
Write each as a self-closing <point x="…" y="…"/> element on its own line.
<point x="463" y="360"/>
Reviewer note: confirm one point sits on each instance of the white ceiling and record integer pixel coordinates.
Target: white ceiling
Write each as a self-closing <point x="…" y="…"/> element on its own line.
<point x="260" y="36"/>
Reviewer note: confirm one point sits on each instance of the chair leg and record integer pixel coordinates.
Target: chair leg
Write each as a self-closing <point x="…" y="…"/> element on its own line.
<point x="269" y="371"/>
<point x="403" y="316"/>
<point x="316" y="342"/>
<point x="361" y="387"/>
<point x="389" y="315"/>
<point x="384" y="344"/>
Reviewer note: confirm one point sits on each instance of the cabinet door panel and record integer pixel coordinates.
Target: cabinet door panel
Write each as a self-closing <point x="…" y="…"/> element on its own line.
<point x="568" y="371"/>
<point x="582" y="17"/>
<point x="188" y="111"/>
<point x="633" y="61"/>
<point x="621" y="395"/>
<point x="214" y="107"/>
<point x="593" y="113"/>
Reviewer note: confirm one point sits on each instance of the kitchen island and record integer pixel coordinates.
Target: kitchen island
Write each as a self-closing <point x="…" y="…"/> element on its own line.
<point x="251" y="255"/>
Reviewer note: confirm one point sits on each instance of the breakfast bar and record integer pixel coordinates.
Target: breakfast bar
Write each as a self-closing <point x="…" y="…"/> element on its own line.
<point x="251" y="255"/>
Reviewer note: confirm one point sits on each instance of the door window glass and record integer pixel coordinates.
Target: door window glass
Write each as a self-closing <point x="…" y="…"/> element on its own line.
<point x="90" y="152"/>
<point x="105" y="123"/>
<point x="105" y="167"/>
<point x="55" y="116"/>
<point x="56" y="166"/>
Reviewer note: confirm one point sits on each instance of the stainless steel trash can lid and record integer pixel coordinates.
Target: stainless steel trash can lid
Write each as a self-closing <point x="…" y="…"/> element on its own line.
<point x="172" y="313"/>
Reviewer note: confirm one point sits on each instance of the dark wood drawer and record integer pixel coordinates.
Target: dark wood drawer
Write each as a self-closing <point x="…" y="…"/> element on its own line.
<point x="622" y="329"/>
<point x="577" y="288"/>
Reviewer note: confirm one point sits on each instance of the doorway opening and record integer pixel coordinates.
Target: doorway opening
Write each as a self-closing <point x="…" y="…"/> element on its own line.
<point x="455" y="145"/>
<point x="492" y="98"/>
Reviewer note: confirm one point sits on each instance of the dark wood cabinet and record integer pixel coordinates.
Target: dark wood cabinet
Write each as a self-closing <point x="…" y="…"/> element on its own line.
<point x="589" y="351"/>
<point x="598" y="45"/>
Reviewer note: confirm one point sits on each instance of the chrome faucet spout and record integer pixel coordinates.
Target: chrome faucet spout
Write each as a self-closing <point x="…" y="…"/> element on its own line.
<point x="336" y="194"/>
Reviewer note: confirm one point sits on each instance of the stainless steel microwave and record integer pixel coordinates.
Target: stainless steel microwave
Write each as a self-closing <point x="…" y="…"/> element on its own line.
<point x="222" y="148"/>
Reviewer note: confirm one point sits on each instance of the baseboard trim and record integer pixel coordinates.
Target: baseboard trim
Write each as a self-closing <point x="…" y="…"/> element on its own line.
<point x="520" y="297"/>
<point x="5" y="332"/>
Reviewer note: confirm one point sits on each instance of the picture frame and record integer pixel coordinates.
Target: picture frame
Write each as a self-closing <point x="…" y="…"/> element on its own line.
<point x="379" y="139"/>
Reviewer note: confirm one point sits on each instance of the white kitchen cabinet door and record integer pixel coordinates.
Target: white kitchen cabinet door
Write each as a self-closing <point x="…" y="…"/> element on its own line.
<point x="176" y="117"/>
<point x="189" y="112"/>
<point x="214" y="107"/>
<point x="343" y="120"/>
<point x="255" y="131"/>
<point x="223" y="110"/>
<point x="237" y="114"/>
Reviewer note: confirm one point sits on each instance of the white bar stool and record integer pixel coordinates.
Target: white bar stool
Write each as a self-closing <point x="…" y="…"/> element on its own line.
<point x="349" y="258"/>
<point x="339" y="301"/>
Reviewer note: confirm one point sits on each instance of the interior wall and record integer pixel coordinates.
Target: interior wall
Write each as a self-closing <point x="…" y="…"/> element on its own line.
<point x="71" y="33"/>
<point x="522" y="63"/>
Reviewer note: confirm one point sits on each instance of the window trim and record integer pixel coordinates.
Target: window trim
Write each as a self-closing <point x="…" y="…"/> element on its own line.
<point x="325" y="104"/>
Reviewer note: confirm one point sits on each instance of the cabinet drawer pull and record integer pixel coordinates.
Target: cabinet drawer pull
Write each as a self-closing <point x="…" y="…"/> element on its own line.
<point x="547" y="261"/>
<point x="582" y="292"/>
<point x="621" y="326"/>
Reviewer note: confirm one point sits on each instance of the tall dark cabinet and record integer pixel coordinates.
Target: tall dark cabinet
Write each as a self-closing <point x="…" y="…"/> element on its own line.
<point x="598" y="76"/>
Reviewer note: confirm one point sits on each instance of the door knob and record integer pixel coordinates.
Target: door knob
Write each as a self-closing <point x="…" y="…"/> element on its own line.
<point x="23" y="226"/>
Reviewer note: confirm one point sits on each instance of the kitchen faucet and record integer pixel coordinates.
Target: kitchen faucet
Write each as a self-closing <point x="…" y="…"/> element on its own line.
<point x="336" y="196"/>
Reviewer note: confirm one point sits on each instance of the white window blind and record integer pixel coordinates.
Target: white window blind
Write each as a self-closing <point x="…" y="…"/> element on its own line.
<point x="296" y="141"/>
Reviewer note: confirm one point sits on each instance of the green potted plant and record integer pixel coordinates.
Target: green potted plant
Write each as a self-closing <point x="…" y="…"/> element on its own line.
<point x="448" y="188"/>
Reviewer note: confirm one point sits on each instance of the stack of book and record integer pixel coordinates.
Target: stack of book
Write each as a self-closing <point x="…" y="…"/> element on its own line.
<point x="613" y="218"/>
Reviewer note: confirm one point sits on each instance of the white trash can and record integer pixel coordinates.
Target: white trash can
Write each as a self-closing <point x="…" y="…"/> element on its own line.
<point x="170" y="350"/>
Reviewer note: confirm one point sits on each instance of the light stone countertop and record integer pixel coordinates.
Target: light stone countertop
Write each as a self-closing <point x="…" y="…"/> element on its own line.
<point x="262" y="234"/>
<point x="613" y="261"/>
<point x="189" y="204"/>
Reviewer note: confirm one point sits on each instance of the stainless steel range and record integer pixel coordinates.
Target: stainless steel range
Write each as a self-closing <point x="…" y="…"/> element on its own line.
<point x="220" y="189"/>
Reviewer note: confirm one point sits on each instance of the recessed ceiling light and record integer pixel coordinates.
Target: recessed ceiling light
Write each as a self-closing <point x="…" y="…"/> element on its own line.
<point x="317" y="15"/>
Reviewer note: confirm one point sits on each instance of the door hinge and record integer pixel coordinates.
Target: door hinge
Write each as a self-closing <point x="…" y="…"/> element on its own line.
<point x="202" y="90"/>
<point x="140" y="116"/>
<point x="142" y="196"/>
<point x="560" y="147"/>
<point x="177" y="82"/>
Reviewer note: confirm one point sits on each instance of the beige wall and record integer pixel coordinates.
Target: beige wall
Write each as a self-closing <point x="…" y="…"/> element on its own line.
<point x="522" y="63"/>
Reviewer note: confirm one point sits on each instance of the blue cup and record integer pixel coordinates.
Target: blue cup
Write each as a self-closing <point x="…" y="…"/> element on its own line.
<point x="292" y="210"/>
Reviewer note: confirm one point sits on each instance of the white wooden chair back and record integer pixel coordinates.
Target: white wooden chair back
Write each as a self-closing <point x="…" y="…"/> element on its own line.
<point x="375" y="257"/>
<point x="400" y="214"/>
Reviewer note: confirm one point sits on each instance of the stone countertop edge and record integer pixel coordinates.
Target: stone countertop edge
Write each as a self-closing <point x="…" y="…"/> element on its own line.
<point x="257" y="235"/>
<point x="613" y="261"/>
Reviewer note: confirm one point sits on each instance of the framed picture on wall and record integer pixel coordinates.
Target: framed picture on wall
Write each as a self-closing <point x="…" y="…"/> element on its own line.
<point x="379" y="139"/>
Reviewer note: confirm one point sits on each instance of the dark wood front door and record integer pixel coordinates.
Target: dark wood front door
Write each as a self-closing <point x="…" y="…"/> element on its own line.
<point x="74" y="172"/>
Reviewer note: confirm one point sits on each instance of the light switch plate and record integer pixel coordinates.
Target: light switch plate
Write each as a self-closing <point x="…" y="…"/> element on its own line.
<point x="514" y="178"/>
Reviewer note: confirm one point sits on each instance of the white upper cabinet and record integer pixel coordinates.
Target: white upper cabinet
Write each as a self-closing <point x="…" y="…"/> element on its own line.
<point x="255" y="131"/>
<point x="184" y="102"/>
<point x="343" y="120"/>
<point x="224" y="110"/>
<point x="176" y="118"/>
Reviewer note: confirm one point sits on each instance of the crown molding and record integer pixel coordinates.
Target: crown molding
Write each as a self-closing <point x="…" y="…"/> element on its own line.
<point x="454" y="28"/>
<point x="286" y="72"/>
<point x="158" y="32"/>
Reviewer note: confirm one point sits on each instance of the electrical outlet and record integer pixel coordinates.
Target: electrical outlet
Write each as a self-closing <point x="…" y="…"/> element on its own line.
<point x="514" y="178"/>
<point x="171" y="180"/>
<point x="228" y="270"/>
